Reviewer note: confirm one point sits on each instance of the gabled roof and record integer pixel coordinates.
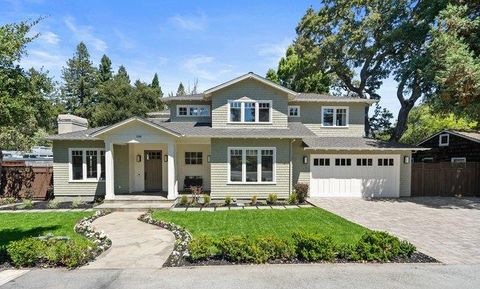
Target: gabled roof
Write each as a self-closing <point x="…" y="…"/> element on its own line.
<point x="132" y="119"/>
<point x="355" y="143"/>
<point x="192" y="97"/>
<point x="317" y="97"/>
<point x="250" y="75"/>
<point x="470" y="135"/>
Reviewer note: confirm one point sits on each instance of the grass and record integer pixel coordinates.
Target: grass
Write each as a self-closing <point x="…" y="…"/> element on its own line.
<point x="281" y="223"/>
<point x="17" y="226"/>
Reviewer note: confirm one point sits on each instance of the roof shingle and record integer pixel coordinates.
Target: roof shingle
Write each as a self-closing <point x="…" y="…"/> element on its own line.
<point x="354" y="143"/>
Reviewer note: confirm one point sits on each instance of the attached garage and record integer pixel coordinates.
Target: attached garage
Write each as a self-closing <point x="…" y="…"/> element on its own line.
<point x="347" y="175"/>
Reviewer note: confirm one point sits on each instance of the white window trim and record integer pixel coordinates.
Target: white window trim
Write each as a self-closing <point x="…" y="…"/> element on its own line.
<point x="259" y="166"/>
<point x="242" y="112"/>
<point x="335" y="116"/>
<point x="294" y="106"/>
<point x="459" y="160"/>
<point x="84" y="165"/>
<point x="440" y="140"/>
<point x="185" y="159"/>
<point x="188" y="110"/>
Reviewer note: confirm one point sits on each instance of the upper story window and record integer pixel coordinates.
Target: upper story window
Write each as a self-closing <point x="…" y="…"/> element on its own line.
<point x="444" y="139"/>
<point x="193" y="110"/>
<point x="334" y="116"/>
<point x="87" y="164"/>
<point x="294" y="111"/>
<point x="250" y="111"/>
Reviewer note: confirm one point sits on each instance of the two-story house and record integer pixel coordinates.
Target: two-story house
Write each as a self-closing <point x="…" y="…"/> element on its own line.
<point x="248" y="136"/>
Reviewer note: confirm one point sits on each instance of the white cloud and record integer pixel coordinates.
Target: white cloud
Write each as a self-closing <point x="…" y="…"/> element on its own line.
<point x="47" y="60"/>
<point x="202" y="66"/>
<point x="85" y="33"/>
<point x="193" y="23"/>
<point x="49" y="37"/>
<point x="125" y="42"/>
<point x="274" y="50"/>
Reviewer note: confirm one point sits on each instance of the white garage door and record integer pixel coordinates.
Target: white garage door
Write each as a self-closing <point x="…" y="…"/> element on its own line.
<point x="354" y="176"/>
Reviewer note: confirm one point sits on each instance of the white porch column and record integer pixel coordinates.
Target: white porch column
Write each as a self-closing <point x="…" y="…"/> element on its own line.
<point x="109" y="173"/>
<point x="171" y="174"/>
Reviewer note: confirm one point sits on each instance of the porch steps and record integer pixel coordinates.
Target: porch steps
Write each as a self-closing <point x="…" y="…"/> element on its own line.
<point x="126" y="203"/>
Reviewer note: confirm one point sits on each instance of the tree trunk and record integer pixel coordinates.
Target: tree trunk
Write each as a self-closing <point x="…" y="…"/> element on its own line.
<point x="402" y="118"/>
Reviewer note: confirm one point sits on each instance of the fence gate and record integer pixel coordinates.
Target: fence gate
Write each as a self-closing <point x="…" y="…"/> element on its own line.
<point x="446" y="179"/>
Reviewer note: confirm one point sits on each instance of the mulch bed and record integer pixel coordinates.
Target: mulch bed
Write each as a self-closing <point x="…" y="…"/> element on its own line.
<point x="222" y="205"/>
<point x="43" y="205"/>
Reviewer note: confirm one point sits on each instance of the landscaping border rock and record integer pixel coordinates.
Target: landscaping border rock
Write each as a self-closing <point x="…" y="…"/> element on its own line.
<point x="182" y="238"/>
<point x="85" y="228"/>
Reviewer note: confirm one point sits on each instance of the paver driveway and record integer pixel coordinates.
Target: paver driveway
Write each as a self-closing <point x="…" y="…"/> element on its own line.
<point x="447" y="229"/>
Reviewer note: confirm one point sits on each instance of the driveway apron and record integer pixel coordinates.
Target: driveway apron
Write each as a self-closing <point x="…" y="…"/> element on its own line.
<point x="135" y="244"/>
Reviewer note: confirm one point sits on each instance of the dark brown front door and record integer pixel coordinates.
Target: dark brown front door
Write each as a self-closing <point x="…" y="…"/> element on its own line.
<point x="153" y="170"/>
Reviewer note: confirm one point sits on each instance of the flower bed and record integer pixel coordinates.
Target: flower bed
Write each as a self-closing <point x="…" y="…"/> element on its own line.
<point x="302" y="247"/>
<point x="46" y="205"/>
<point x="60" y="251"/>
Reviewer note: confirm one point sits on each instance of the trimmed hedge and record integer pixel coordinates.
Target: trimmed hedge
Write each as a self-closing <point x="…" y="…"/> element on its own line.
<point x="373" y="246"/>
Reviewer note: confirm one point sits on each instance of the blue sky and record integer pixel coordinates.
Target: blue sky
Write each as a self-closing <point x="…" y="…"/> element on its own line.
<point x="213" y="41"/>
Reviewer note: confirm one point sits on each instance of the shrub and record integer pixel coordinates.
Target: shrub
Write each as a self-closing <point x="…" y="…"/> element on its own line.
<point x="26" y="204"/>
<point x="254" y="200"/>
<point x="301" y="189"/>
<point x="241" y="249"/>
<point x="381" y="246"/>
<point x="53" y="204"/>
<point x="293" y="199"/>
<point x="202" y="248"/>
<point x="276" y="248"/>
<point x="76" y="203"/>
<point x="3" y="254"/>
<point x="26" y="252"/>
<point x="184" y="200"/>
<point x="314" y="247"/>
<point x="68" y="253"/>
<point x="7" y="201"/>
<point x="228" y="200"/>
<point x="272" y="198"/>
<point x="347" y="252"/>
<point x="206" y="199"/>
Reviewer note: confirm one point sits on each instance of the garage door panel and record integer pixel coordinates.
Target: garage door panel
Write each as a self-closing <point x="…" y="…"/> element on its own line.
<point x="355" y="180"/>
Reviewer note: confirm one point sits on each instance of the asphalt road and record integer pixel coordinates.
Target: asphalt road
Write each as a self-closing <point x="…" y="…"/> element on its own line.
<point x="263" y="276"/>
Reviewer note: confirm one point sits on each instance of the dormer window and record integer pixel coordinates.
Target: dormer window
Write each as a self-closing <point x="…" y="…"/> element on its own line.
<point x="250" y="111"/>
<point x="444" y="140"/>
<point x="334" y="116"/>
<point x="294" y="111"/>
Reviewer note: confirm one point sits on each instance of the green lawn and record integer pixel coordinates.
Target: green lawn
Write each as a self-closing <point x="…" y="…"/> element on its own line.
<point x="17" y="226"/>
<point x="281" y="223"/>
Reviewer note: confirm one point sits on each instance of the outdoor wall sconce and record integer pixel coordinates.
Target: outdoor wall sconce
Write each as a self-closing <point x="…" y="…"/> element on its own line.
<point x="406" y="159"/>
<point x="165" y="158"/>
<point x="208" y="158"/>
<point x="139" y="158"/>
<point x="305" y="159"/>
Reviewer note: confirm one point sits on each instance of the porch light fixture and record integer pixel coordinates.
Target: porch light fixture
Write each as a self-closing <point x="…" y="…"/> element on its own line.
<point x="208" y="158"/>
<point x="139" y="158"/>
<point x="406" y="159"/>
<point x="165" y="158"/>
<point x="305" y="159"/>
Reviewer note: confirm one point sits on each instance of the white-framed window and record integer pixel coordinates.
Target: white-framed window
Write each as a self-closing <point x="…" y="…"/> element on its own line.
<point x="385" y="162"/>
<point x="250" y="111"/>
<point x="322" y="162"/>
<point x="193" y="158"/>
<point x="251" y="165"/>
<point x="294" y="111"/>
<point x="458" y="160"/>
<point x="335" y="116"/>
<point x="343" y="162"/>
<point x="193" y="110"/>
<point x="364" y="162"/>
<point x="444" y="140"/>
<point x="86" y="164"/>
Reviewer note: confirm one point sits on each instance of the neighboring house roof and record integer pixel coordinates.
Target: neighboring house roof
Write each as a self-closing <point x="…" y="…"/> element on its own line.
<point x="354" y="143"/>
<point x="192" y="97"/>
<point x="470" y="135"/>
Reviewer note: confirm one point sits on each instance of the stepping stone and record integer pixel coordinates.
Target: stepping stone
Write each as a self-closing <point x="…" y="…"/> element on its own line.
<point x="236" y="208"/>
<point x="264" y="207"/>
<point x="193" y="209"/>
<point x="208" y="209"/>
<point x="305" y="206"/>
<point x="291" y="207"/>
<point x="179" y="209"/>
<point x="221" y="209"/>
<point x="278" y="207"/>
<point x="250" y="208"/>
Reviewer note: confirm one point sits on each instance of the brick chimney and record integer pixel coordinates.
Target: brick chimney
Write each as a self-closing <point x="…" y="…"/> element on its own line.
<point x="70" y="123"/>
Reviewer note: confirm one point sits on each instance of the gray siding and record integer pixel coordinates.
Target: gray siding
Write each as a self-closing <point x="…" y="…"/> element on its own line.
<point x="173" y="111"/>
<point x="253" y="90"/>
<point x="219" y="170"/>
<point x="301" y="171"/>
<point x="311" y="117"/>
<point x="61" y="185"/>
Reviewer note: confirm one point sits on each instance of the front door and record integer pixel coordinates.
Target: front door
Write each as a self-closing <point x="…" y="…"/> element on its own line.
<point x="153" y="170"/>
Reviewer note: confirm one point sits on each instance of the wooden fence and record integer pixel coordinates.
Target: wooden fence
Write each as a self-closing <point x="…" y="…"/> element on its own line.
<point x="26" y="181"/>
<point x="446" y="179"/>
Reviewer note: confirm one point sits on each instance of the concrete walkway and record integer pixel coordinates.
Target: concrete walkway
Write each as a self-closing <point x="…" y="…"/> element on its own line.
<point x="447" y="229"/>
<point x="135" y="244"/>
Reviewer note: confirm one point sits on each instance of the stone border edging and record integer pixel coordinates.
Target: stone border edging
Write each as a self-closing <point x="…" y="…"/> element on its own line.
<point x="182" y="238"/>
<point x="85" y="228"/>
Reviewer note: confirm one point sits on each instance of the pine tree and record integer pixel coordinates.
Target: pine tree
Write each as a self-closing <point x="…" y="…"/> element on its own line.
<point x="105" y="72"/>
<point x="155" y="82"/>
<point x="181" y="89"/>
<point x="79" y="88"/>
<point x="122" y="72"/>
